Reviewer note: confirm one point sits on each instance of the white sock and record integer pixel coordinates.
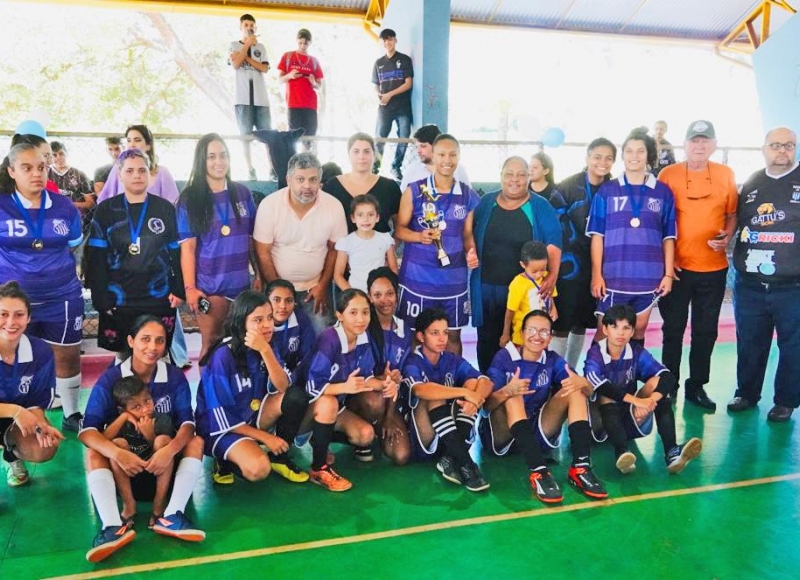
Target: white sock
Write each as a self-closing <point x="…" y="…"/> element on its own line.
<point x="574" y="349"/>
<point x="69" y="391"/>
<point x="189" y="470"/>
<point x="104" y="494"/>
<point x="558" y="344"/>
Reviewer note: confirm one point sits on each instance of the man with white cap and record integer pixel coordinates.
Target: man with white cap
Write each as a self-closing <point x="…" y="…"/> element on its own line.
<point x="705" y="201"/>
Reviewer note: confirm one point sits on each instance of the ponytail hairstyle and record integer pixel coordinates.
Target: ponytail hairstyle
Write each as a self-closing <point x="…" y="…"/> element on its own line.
<point x="12" y="289"/>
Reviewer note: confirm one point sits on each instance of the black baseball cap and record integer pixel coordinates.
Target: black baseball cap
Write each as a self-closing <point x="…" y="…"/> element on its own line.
<point x="387" y="33"/>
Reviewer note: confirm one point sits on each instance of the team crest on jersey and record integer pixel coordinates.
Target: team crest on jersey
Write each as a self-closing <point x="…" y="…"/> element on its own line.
<point x="156" y="225"/>
<point x="449" y="381"/>
<point x="760" y="261"/>
<point x="399" y="355"/>
<point x="629" y="374"/>
<point x="460" y="212"/>
<point x="543" y="380"/>
<point x="242" y="208"/>
<point x="399" y="64"/>
<point x="257" y="53"/>
<point x="751" y="197"/>
<point x="294" y="344"/>
<point x="795" y="194"/>
<point x="768" y="214"/>
<point x="60" y="227"/>
<point x="163" y="405"/>
<point x="654" y="204"/>
<point x="25" y="384"/>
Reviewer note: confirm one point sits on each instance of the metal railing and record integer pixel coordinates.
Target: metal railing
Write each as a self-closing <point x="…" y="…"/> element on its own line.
<point x="481" y="158"/>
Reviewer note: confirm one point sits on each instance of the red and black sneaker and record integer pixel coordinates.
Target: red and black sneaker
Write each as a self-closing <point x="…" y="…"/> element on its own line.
<point x="584" y="480"/>
<point x="545" y="486"/>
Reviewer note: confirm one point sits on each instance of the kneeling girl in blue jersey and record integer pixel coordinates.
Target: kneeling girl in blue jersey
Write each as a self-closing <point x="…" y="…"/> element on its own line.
<point x="170" y="392"/>
<point x="534" y="392"/>
<point x="614" y="366"/>
<point x="445" y="395"/>
<point x="392" y="345"/>
<point x="27" y="388"/>
<point x="341" y="379"/>
<point x="243" y="390"/>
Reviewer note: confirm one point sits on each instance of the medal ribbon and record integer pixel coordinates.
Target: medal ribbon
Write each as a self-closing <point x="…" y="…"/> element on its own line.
<point x="223" y="217"/>
<point x="135" y="232"/>
<point x="37" y="230"/>
<point x="636" y="204"/>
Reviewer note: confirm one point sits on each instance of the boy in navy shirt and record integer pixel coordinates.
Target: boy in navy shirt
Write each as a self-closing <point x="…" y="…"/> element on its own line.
<point x="614" y="366"/>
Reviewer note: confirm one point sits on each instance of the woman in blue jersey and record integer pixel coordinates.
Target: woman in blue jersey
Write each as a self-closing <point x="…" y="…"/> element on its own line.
<point x="244" y="391"/>
<point x="342" y="379"/>
<point x="392" y="345"/>
<point x="535" y="391"/>
<point x="572" y="200"/>
<point x="132" y="257"/>
<point x="27" y="388"/>
<point x="147" y="342"/>
<point x="38" y="230"/>
<point x="435" y="222"/>
<point x="632" y="230"/>
<point x="293" y="339"/>
<point x="215" y="223"/>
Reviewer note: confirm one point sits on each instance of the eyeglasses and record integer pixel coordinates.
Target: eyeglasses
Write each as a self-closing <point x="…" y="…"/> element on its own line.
<point x="543" y="333"/>
<point x="785" y="146"/>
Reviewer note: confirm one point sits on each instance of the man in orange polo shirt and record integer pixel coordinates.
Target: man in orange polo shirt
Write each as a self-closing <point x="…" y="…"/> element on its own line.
<point x="705" y="199"/>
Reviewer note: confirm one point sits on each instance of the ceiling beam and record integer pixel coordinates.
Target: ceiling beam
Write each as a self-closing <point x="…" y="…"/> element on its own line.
<point x="747" y="27"/>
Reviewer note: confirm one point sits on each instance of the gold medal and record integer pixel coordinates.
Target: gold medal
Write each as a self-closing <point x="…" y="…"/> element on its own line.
<point x="134" y="249"/>
<point x="635" y="222"/>
<point x="37" y="245"/>
<point x="225" y="230"/>
<point x="255" y="404"/>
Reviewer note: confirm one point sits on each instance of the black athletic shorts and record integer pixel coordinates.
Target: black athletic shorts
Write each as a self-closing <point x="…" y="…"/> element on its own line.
<point x="575" y="305"/>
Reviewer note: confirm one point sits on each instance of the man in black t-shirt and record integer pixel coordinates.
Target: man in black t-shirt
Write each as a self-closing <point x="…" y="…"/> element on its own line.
<point x="393" y="76"/>
<point x="767" y="288"/>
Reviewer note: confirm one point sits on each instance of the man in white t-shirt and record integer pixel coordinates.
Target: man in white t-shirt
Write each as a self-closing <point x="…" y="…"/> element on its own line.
<point x="422" y="168"/>
<point x="296" y="230"/>
<point x="248" y="57"/>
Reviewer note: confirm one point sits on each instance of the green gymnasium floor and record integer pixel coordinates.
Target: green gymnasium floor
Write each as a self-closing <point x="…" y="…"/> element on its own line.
<point x="733" y="513"/>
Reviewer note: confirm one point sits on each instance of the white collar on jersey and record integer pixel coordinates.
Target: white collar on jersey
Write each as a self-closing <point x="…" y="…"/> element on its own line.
<point x="24" y="350"/>
<point x="603" y="344"/>
<point x="650" y="181"/>
<point x="513" y="351"/>
<point x="161" y="370"/>
<point x="26" y="203"/>
<point x="456" y="184"/>
<point x="399" y="327"/>
<point x="291" y="322"/>
<point x="362" y="338"/>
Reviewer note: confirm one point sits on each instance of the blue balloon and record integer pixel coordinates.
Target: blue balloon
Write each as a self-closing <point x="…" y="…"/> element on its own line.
<point x="553" y="137"/>
<point x="31" y="127"/>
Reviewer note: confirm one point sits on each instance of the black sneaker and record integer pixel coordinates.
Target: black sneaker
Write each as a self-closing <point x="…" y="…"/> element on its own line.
<point x="363" y="454"/>
<point x="72" y="423"/>
<point x="447" y="467"/>
<point x="472" y="477"/>
<point x="679" y="456"/>
<point x="584" y="480"/>
<point x="546" y="488"/>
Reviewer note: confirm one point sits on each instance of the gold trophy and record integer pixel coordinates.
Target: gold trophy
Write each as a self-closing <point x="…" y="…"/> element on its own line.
<point x="434" y="220"/>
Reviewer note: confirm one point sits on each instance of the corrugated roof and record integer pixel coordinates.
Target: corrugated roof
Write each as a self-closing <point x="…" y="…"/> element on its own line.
<point x="708" y="20"/>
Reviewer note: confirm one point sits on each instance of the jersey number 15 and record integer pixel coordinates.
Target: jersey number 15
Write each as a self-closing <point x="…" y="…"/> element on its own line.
<point x="16" y="228"/>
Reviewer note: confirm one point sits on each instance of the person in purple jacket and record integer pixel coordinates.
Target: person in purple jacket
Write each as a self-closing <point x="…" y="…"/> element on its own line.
<point x="161" y="184"/>
<point x="632" y="230"/>
<point x="215" y="228"/>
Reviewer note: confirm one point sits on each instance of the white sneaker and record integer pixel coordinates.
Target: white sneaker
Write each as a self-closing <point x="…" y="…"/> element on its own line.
<point x="17" y="474"/>
<point x="626" y="462"/>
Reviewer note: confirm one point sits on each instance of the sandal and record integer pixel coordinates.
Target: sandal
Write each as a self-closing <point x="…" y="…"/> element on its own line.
<point x="153" y="519"/>
<point x="128" y="522"/>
